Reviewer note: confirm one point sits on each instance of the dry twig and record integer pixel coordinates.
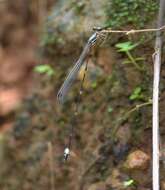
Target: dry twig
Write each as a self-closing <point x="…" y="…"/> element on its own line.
<point x="133" y="31"/>
<point x="155" y="109"/>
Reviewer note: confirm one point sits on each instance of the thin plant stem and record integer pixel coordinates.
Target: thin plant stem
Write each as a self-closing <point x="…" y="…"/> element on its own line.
<point x="137" y="107"/>
<point x="133" y="60"/>
<point x="127" y="114"/>
<point x="133" y="31"/>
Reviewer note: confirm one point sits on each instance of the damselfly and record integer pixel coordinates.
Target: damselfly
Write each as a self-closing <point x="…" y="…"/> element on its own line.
<point x="62" y="93"/>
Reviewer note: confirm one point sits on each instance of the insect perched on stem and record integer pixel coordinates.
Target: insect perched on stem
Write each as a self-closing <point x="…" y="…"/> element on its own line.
<point x="62" y="93"/>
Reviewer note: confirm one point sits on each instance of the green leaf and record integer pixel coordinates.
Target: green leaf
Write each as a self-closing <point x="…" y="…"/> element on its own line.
<point x="110" y="109"/>
<point x="94" y="84"/>
<point x="44" y="69"/>
<point x="125" y="46"/>
<point x="128" y="183"/>
<point x="136" y="94"/>
<point x="126" y="62"/>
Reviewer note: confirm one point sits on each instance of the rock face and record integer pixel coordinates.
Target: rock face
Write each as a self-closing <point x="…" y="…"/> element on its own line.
<point x="70" y="21"/>
<point x="102" y="136"/>
<point x="98" y="186"/>
<point x="77" y="17"/>
<point x="137" y="160"/>
<point x="17" y="56"/>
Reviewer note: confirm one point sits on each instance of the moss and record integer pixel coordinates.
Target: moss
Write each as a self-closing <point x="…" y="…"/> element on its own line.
<point x="48" y="38"/>
<point x="79" y="7"/>
<point x="130" y="12"/>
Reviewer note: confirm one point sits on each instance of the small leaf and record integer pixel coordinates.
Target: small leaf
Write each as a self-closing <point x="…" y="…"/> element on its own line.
<point x="110" y="109"/>
<point x="44" y="69"/>
<point x="94" y="84"/>
<point x="140" y="59"/>
<point x="136" y="94"/>
<point x="128" y="183"/>
<point x="137" y="90"/>
<point x="125" y="46"/>
<point x="126" y="62"/>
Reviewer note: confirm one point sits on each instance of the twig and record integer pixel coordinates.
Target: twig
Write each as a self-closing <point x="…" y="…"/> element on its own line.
<point x="133" y="31"/>
<point x="51" y="165"/>
<point x="126" y="116"/>
<point x="137" y="107"/>
<point x="155" y="109"/>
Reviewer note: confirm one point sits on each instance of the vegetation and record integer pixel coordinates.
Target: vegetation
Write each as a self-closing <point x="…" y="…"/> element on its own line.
<point x="126" y="48"/>
<point x="136" y="94"/>
<point x="135" y="13"/>
<point x="129" y="183"/>
<point x="44" y="69"/>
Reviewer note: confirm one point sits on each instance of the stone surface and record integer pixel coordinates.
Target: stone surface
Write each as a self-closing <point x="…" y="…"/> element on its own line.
<point x="68" y="23"/>
<point x="137" y="160"/>
<point x="114" y="179"/>
<point x="98" y="186"/>
<point x="9" y="100"/>
<point x="106" y="59"/>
